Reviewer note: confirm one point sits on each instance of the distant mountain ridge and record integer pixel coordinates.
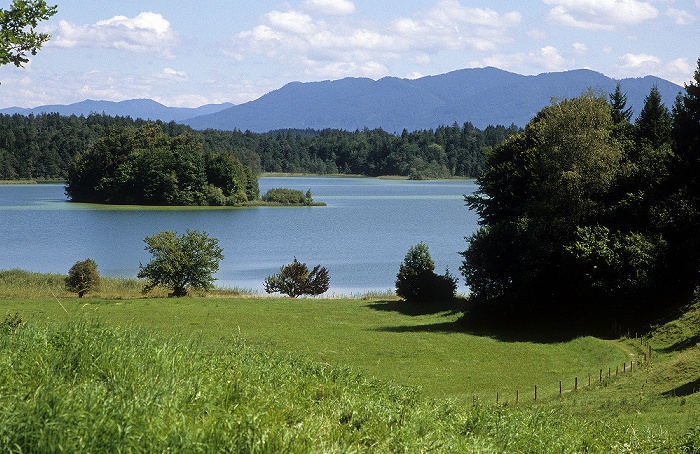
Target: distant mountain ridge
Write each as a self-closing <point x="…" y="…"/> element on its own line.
<point x="482" y="96"/>
<point x="146" y="109"/>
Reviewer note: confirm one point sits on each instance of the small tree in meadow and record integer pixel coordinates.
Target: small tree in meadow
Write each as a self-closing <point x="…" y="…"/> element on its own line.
<point x="188" y="260"/>
<point x="83" y="278"/>
<point x="416" y="280"/>
<point x="295" y="279"/>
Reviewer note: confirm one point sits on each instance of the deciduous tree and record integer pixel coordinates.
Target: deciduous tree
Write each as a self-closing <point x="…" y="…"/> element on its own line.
<point x="182" y="261"/>
<point x="416" y="280"/>
<point x="295" y="280"/>
<point x="18" y="36"/>
<point x="83" y="278"/>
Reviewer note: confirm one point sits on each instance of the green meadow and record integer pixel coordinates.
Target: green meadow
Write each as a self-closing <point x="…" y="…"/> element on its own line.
<point x="229" y="372"/>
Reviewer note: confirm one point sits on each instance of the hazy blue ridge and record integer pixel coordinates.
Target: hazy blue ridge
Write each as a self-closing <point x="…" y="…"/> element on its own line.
<point x="146" y="109"/>
<point x="483" y="96"/>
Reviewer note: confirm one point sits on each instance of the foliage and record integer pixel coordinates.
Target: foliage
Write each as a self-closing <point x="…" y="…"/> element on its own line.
<point x="284" y="196"/>
<point x="295" y="279"/>
<point x="11" y="324"/>
<point x="416" y="280"/>
<point x="581" y="212"/>
<point x="17" y="30"/>
<point x="146" y="166"/>
<point x="43" y="147"/>
<point x="83" y="278"/>
<point x="182" y="261"/>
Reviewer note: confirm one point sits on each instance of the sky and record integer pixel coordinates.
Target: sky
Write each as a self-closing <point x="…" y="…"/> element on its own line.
<point x="187" y="53"/>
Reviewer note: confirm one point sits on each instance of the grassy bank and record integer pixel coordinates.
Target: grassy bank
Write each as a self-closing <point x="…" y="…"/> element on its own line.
<point x="119" y="372"/>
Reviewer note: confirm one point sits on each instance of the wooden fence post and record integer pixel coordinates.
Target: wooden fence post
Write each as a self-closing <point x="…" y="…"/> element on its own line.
<point x="560" y="387"/>
<point x="516" y="396"/>
<point x="576" y="384"/>
<point x="601" y="375"/>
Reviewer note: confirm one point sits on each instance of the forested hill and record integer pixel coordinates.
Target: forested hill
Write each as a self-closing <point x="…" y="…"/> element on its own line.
<point x="482" y="96"/>
<point x="42" y="147"/>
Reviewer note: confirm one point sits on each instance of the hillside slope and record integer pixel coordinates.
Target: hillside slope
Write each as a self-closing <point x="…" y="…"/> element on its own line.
<point x="483" y="96"/>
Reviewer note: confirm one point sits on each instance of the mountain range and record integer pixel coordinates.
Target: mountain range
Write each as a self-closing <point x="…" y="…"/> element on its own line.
<point x="482" y="96"/>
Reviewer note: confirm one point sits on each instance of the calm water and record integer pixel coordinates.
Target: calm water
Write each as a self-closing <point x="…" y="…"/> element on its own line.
<point x="362" y="235"/>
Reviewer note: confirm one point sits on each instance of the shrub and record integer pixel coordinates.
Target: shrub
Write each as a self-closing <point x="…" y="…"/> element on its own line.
<point x="83" y="278"/>
<point x="286" y="196"/>
<point x="295" y="279"/>
<point x="416" y="280"/>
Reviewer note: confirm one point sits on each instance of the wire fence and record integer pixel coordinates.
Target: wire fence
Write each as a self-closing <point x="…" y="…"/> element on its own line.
<point x="601" y="376"/>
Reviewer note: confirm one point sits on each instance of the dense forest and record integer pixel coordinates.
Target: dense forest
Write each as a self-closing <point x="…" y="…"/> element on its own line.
<point x="145" y="166"/>
<point x="591" y="215"/>
<point x="42" y="147"/>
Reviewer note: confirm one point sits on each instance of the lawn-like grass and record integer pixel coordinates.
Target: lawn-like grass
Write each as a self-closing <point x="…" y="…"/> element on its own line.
<point x="432" y="351"/>
<point x="118" y="371"/>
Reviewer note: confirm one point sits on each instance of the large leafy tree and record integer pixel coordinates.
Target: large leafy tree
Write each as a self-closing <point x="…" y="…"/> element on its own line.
<point x="181" y="262"/>
<point x="681" y="220"/>
<point x="18" y="37"/>
<point x="584" y="209"/>
<point x="540" y="187"/>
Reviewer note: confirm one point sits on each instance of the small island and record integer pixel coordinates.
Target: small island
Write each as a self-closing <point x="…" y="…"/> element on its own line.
<point x="145" y="166"/>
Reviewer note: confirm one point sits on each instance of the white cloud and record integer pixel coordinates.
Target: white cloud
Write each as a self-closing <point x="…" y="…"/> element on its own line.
<point x="146" y="32"/>
<point x="550" y="59"/>
<point x="334" y="45"/>
<point x="173" y="75"/>
<point x="681" y="17"/>
<point x="332" y="7"/>
<point x="679" y="71"/>
<point x="639" y="60"/>
<point x="600" y="14"/>
<point x="336" y="70"/>
<point x="580" y="48"/>
<point x="545" y="59"/>
<point x="292" y="22"/>
<point x="638" y="65"/>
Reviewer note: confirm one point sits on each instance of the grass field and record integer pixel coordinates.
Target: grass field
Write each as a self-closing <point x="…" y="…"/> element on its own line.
<point x="325" y="375"/>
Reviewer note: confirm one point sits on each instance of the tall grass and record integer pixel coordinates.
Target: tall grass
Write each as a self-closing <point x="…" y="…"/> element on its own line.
<point x="84" y="387"/>
<point x="22" y="284"/>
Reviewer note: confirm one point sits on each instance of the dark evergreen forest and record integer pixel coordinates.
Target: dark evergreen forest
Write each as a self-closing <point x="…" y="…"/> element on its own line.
<point x="43" y="146"/>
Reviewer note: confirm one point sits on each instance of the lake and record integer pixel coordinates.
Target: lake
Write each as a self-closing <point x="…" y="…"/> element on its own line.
<point x="361" y="236"/>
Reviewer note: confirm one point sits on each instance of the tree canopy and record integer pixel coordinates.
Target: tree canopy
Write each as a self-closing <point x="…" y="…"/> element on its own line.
<point x="18" y="36"/>
<point x="179" y="262"/>
<point x="43" y="147"/>
<point x="83" y="278"/>
<point x="295" y="280"/>
<point x="580" y="212"/>
<point x="146" y="166"/>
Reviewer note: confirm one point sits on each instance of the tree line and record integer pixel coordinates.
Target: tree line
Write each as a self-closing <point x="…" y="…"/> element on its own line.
<point x="588" y="212"/>
<point x="145" y="166"/>
<point x="43" y="146"/>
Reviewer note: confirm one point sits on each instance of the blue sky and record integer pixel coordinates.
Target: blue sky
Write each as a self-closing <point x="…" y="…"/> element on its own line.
<point x="187" y="53"/>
